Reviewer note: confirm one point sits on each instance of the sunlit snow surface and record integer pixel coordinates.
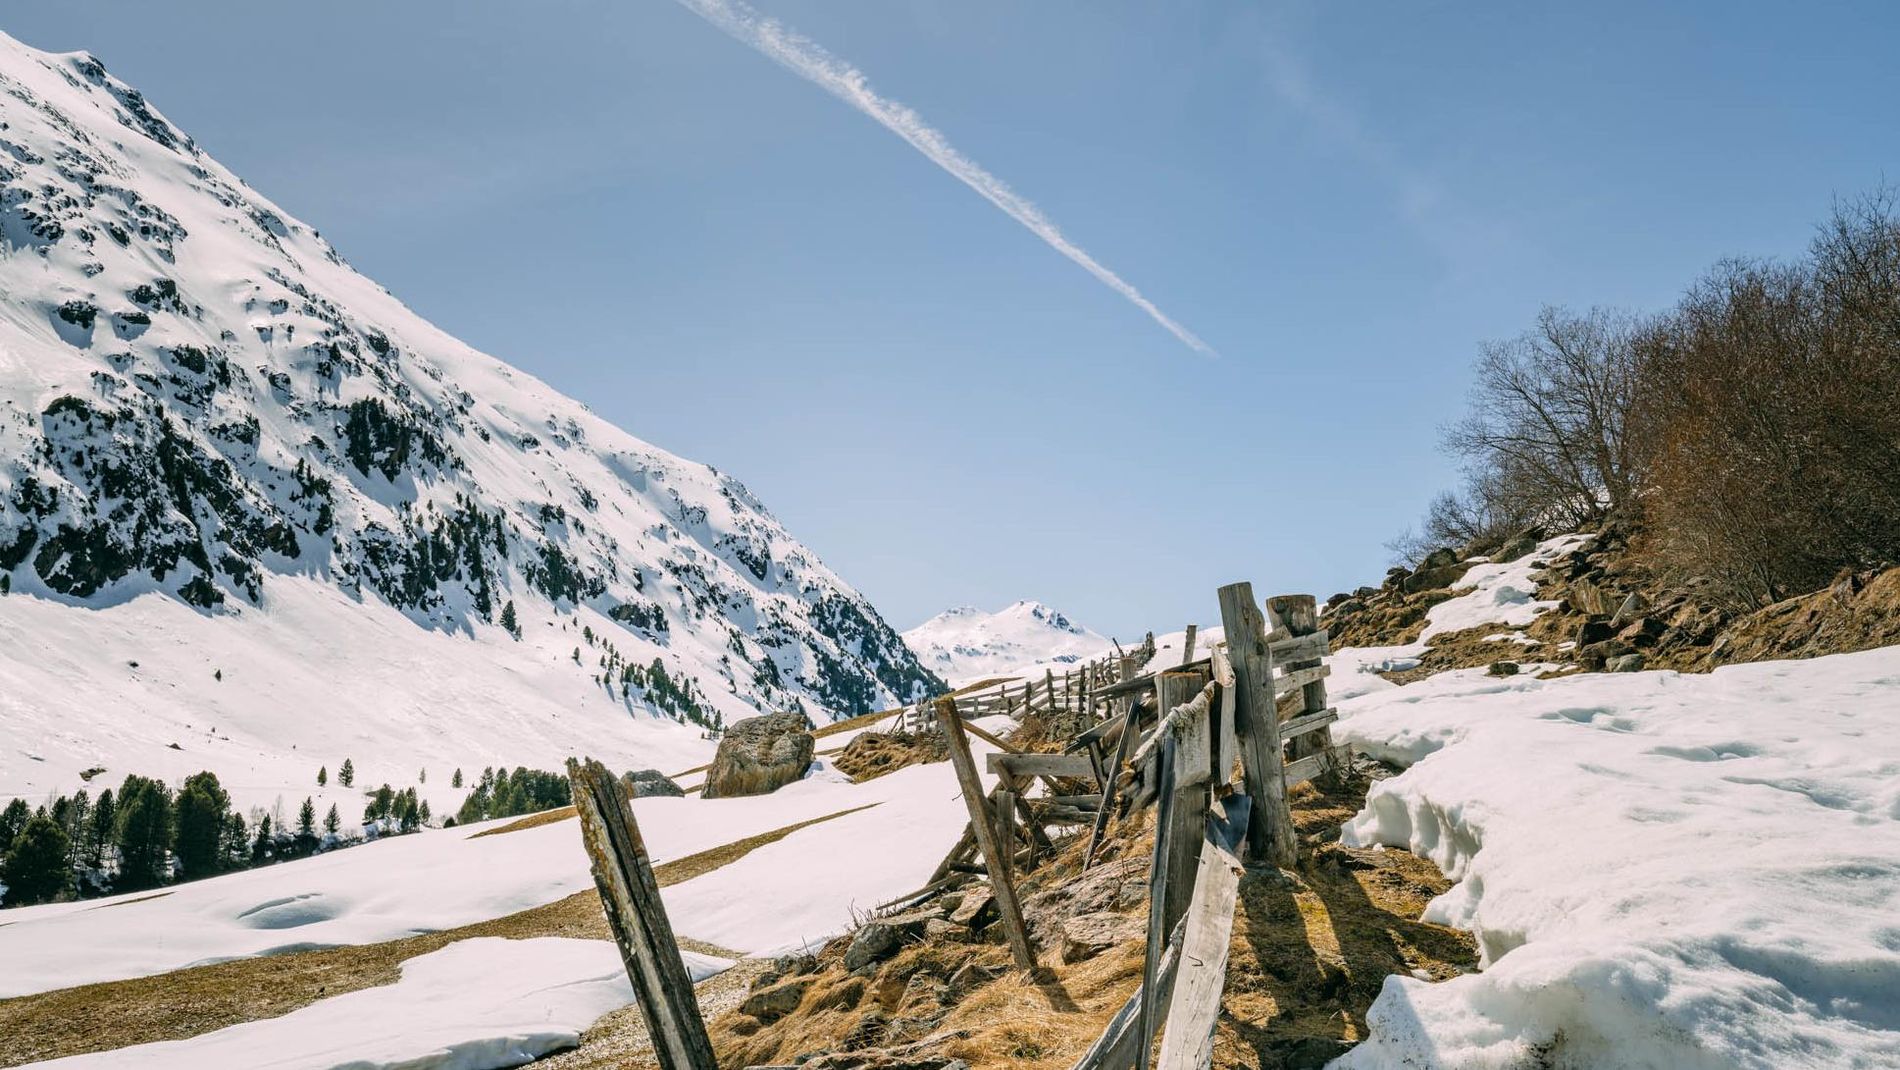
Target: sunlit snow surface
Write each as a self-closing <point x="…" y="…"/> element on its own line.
<point x="1663" y="870"/>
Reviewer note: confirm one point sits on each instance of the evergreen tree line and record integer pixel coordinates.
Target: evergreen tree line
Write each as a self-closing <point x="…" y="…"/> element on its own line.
<point x="1754" y="427"/>
<point x="145" y="834"/>
<point x="509" y="794"/>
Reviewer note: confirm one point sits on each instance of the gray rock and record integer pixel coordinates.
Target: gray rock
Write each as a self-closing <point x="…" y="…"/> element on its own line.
<point x="1502" y="668"/>
<point x="777" y="1001"/>
<point x="1088" y="935"/>
<point x="645" y="783"/>
<point x="973" y="911"/>
<point x="1633" y="607"/>
<point x="1626" y="663"/>
<point x="760" y="755"/>
<point x="878" y="940"/>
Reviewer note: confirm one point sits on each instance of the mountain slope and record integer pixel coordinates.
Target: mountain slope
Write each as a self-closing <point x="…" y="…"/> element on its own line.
<point x="966" y="644"/>
<point x="208" y="417"/>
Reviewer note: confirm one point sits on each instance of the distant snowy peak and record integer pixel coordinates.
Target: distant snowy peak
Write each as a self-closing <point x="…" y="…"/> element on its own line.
<point x="966" y="644"/>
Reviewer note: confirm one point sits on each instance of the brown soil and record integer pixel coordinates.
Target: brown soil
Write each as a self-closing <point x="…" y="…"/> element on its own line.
<point x="185" y="1003"/>
<point x="1311" y="950"/>
<point x="870" y="755"/>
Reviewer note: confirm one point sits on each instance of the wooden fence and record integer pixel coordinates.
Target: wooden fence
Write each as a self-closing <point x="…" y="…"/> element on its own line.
<point x="1171" y="739"/>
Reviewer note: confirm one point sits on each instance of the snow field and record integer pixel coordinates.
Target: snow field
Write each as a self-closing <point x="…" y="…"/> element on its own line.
<point x="1662" y="870"/>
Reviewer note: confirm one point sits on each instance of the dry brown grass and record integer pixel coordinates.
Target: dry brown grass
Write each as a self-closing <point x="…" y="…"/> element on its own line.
<point x="545" y="817"/>
<point x="1310" y="952"/>
<point x="185" y="1003"/>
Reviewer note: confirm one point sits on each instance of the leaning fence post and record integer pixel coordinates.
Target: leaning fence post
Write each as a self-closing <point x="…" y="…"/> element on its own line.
<point x="981" y="824"/>
<point x="631" y="898"/>
<point x="1257" y="722"/>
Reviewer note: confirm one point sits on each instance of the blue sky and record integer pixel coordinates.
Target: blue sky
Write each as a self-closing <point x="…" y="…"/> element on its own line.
<point x="1343" y="200"/>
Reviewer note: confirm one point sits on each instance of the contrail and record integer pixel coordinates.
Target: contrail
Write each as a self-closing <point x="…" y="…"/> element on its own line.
<point x="809" y="60"/>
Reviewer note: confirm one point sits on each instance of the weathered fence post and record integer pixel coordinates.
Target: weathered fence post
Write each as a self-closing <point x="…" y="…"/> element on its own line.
<point x="994" y="858"/>
<point x="1165" y="834"/>
<point x="631" y="898"/>
<point x="1299" y="615"/>
<point x="1257" y="722"/>
<point x="1188" y="809"/>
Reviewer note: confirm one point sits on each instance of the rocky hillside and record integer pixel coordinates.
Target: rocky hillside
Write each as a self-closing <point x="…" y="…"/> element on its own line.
<point x="1609" y="609"/>
<point x="202" y="403"/>
<point x="966" y="644"/>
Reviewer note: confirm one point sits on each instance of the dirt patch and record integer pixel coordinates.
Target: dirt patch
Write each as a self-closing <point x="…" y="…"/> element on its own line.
<point x="870" y="755"/>
<point x="185" y="1003"/>
<point x="1311" y="951"/>
<point x="532" y="821"/>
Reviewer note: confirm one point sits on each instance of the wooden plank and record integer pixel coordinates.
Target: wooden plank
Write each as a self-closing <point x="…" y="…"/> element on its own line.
<point x="1305" y="769"/>
<point x="1188" y="810"/>
<point x="1187" y="643"/>
<point x="630" y="897"/>
<point x="1007" y="907"/>
<point x="1144" y="682"/>
<point x="1297" y="679"/>
<point x="1307" y="722"/>
<point x="1063" y="765"/>
<point x="1194" y="1006"/>
<point x="1165" y="833"/>
<point x="1299" y="648"/>
<point x="1096" y="734"/>
<point x="1006" y="824"/>
<point x="1257" y="723"/>
<point x="991" y="740"/>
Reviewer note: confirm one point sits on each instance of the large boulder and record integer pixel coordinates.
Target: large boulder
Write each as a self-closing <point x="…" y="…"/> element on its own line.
<point x="760" y="755"/>
<point x="642" y="783"/>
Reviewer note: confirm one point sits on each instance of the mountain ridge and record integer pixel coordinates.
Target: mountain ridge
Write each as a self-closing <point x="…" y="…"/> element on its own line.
<point x="200" y="400"/>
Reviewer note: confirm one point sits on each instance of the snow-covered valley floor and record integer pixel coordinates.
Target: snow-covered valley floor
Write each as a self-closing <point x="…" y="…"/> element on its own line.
<point x="1662" y="871"/>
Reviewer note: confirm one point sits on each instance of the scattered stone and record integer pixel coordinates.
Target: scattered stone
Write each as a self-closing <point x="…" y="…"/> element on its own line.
<point x="760" y="755"/>
<point x="776" y="1001"/>
<point x="1088" y="935"/>
<point x="646" y="783"/>
<point x="1626" y="663"/>
<point x="1502" y="668"/>
<point x="1633" y="607"/>
<point x="878" y="940"/>
<point x="975" y="908"/>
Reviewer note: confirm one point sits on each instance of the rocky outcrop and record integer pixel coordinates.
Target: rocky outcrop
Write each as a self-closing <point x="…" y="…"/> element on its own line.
<point x="643" y="783"/>
<point x="760" y="755"/>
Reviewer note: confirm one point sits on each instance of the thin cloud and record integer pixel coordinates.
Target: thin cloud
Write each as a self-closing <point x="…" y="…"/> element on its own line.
<point x="809" y="60"/>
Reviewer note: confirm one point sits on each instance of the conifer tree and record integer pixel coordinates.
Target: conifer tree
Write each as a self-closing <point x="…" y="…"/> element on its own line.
<point x="235" y="845"/>
<point x="260" y="847"/>
<point x="346" y="776"/>
<point x="142" y="830"/>
<point x="38" y="862"/>
<point x="307" y="817"/>
<point x="323" y="775"/>
<point x="509" y="623"/>
<point x="456" y="780"/>
<point x="331" y="822"/>
<point x="198" y="824"/>
<point x="105" y="813"/>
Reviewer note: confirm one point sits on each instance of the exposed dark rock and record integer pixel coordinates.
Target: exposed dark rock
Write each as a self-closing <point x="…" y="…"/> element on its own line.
<point x="760" y="755"/>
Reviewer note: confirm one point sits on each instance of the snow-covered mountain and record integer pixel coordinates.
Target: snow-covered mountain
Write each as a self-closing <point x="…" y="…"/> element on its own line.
<point x="223" y="450"/>
<point x="966" y="644"/>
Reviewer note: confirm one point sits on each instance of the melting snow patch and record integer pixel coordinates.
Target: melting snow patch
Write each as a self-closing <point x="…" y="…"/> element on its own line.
<point x="1663" y="871"/>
